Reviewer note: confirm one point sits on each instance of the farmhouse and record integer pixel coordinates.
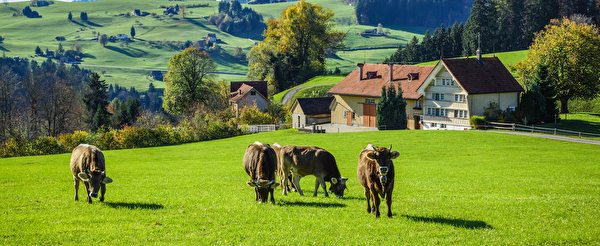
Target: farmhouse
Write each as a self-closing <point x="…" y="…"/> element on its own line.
<point x="356" y="96"/>
<point x="306" y="111"/>
<point x="122" y="37"/>
<point x="247" y="93"/>
<point x="443" y="96"/>
<point x="60" y="38"/>
<point x="212" y="37"/>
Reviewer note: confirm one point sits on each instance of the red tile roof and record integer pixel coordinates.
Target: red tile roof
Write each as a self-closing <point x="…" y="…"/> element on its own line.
<point x="260" y="86"/>
<point x="372" y="87"/>
<point x="487" y="76"/>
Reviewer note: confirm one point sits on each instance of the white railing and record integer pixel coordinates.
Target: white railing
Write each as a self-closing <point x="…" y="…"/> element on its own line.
<point x="266" y="128"/>
<point x="533" y="128"/>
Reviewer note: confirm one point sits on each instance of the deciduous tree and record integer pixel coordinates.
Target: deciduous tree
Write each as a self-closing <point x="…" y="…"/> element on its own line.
<point x="188" y="81"/>
<point x="569" y="51"/>
<point x="103" y="40"/>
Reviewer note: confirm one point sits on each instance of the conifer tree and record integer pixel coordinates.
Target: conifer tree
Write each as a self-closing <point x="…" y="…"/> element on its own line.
<point x="96" y="101"/>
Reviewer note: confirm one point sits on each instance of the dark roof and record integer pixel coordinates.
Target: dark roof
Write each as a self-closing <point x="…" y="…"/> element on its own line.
<point x="261" y="86"/>
<point x="351" y="86"/>
<point x="479" y="77"/>
<point x="315" y="105"/>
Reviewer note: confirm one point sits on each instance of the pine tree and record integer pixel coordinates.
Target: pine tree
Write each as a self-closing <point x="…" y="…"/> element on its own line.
<point x="391" y="109"/>
<point x="70" y="16"/>
<point x="132" y="32"/>
<point x="96" y="101"/>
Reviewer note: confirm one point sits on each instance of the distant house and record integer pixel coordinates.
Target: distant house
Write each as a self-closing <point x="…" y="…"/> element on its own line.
<point x="157" y="74"/>
<point x="248" y="93"/>
<point x="50" y="54"/>
<point x="122" y="37"/>
<point x="212" y="37"/>
<point x="60" y="38"/>
<point x="371" y="31"/>
<point x="170" y="10"/>
<point x="136" y="12"/>
<point x="306" y="111"/>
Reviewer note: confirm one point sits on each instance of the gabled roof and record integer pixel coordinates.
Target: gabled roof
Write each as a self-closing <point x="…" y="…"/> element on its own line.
<point x="315" y="105"/>
<point x="371" y="87"/>
<point x="261" y="86"/>
<point x="242" y="91"/>
<point x="480" y="77"/>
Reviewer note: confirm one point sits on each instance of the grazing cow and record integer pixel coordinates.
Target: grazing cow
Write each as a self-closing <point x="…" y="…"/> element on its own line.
<point x="87" y="165"/>
<point x="306" y="160"/>
<point x="260" y="163"/>
<point x="376" y="174"/>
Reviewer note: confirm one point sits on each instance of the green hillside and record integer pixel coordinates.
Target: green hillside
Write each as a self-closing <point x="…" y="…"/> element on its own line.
<point x="23" y="34"/>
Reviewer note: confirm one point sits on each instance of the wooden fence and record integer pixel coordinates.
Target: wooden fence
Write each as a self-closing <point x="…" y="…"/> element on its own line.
<point x="533" y="128"/>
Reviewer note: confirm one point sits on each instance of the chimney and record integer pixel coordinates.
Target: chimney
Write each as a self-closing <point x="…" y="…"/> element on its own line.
<point x="360" y="71"/>
<point x="478" y="52"/>
<point x="391" y="72"/>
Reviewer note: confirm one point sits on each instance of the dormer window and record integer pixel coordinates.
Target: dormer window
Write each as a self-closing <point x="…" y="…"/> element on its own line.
<point x="372" y="74"/>
<point x="253" y="93"/>
<point x="412" y="76"/>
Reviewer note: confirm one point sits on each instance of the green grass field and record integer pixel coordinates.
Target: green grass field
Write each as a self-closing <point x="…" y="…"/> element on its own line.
<point x="452" y="188"/>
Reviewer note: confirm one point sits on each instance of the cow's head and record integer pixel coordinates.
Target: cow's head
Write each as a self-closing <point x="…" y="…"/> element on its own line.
<point x="382" y="156"/>
<point x="95" y="179"/>
<point x="262" y="188"/>
<point x="338" y="186"/>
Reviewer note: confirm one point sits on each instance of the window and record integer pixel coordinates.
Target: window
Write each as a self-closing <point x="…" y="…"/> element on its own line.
<point x="459" y="98"/>
<point x="437" y="112"/>
<point x="418" y="104"/>
<point x="369" y="101"/>
<point x="433" y="124"/>
<point x="253" y="93"/>
<point x="442" y="125"/>
<point x="442" y="97"/>
<point x="460" y="114"/>
<point x="447" y="82"/>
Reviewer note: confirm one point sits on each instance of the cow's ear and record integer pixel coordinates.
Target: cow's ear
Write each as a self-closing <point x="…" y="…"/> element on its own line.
<point x="334" y="181"/>
<point x="371" y="155"/>
<point x="107" y="180"/>
<point x="251" y="184"/>
<point x="274" y="185"/>
<point x="395" y="154"/>
<point x="83" y="176"/>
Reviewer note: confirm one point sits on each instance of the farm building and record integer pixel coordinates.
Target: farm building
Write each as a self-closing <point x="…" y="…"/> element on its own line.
<point x="443" y="96"/>
<point x="247" y="93"/>
<point x="306" y="111"/>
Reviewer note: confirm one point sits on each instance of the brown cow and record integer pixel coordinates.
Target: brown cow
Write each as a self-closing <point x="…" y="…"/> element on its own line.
<point x="376" y="174"/>
<point x="307" y="160"/>
<point x="260" y="163"/>
<point x="87" y="165"/>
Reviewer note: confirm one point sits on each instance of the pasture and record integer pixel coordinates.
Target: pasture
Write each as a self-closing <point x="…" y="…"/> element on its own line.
<point x="452" y="187"/>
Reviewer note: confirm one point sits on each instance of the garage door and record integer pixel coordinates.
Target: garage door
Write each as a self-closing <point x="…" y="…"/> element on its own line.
<point x="369" y="115"/>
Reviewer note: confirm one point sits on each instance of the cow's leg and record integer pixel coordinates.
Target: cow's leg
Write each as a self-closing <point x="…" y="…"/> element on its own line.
<point x="320" y="180"/>
<point x="388" y="201"/>
<point x="88" y="192"/>
<point x="376" y="202"/>
<point x="272" y="198"/>
<point x="102" y="191"/>
<point x="284" y="178"/>
<point x="368" y="196"/>
<point x="76" y="188"/>
<point x="296" y="180"/>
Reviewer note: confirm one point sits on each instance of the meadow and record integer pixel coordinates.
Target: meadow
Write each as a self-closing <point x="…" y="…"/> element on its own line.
<point x="452" y="188"/>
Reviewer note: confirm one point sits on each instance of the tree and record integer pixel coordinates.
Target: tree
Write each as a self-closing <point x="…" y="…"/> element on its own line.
<point x="96" y="101"/>
<point x="188" y="81"/>
<point x="103" y="40"/>
<point x="83" y="16"/>
<point x="38" y="51"/>
<point x="132" y="32"/>
<point x="8" y="102"/>
<point x="70" y="16"/>
<point x="391" y="109"/>
<point x="570" y="53"/>
<point x="303" y="34"/>
<point x="480" y="28"/>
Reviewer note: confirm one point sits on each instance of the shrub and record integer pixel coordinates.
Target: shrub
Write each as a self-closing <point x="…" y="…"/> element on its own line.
<point x="477" y="121"/>
<point x="70" y="141"/>
<point x="45" y="146"/>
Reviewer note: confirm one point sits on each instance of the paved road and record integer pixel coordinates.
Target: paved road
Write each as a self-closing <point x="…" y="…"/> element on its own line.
<point x="561" y="138"/>
<point x="287" y="98"/>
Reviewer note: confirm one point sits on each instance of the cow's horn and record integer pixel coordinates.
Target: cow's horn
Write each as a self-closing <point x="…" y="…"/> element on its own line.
<point x="390" y="146"/>
<point x="103" y="172"/>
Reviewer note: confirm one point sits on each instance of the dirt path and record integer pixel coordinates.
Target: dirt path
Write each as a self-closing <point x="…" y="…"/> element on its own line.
<point x="287" y="98"/>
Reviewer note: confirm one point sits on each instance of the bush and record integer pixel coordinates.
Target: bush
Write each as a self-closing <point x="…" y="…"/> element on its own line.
<point x="70" y="141"/>
<point x="45" y="146"/>
<point x="477" y="121"/>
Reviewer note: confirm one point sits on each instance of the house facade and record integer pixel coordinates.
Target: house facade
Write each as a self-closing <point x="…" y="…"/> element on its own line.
<point x="306" y="111"/>
<point x="356" y="96"/>
<point x="248" y="93"/>
<point x="460" y="88"/>
<point x="443" y="96"/>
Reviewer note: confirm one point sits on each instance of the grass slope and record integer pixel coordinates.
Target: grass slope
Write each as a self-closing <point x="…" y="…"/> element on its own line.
<point x="452" y="187"/>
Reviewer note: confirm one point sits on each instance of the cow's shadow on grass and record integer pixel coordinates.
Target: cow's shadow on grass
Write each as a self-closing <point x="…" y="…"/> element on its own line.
<point x="134" y="205"/>
<point x="469" y="224"/>
<point x="311" y="204"/>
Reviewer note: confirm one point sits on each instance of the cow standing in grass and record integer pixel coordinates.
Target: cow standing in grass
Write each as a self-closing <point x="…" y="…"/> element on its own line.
<point x="87" y="165"/>
<point x="376" y="174"/>
<point x="260" y="163"/>
<point x="309" y="160"/>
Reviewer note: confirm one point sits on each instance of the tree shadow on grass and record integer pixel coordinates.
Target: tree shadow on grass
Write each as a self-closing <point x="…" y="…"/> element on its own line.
<point x="469" y="224"/>
<point x="3" y="49"/>
<point x="134" y="205"/>
<point x="78" y="23"/>
<point x="311" y="204"/>
<point x="131" y="52"/>
<point x="93" y="24"/>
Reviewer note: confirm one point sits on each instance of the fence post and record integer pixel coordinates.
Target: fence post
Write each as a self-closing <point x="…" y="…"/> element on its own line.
<point x="554" y="131"/>
<point x="513" y="126"/>
<point x="579" y="134"/>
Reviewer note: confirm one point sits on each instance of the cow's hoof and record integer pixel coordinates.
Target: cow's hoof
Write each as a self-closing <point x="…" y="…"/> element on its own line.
<point x="101" y="199"/>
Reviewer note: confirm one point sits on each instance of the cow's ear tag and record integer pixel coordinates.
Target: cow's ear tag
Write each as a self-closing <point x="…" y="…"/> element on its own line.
<point x="107" y="180"/>
<point x="83" y="176"/>
<point x="334" y="180"/>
